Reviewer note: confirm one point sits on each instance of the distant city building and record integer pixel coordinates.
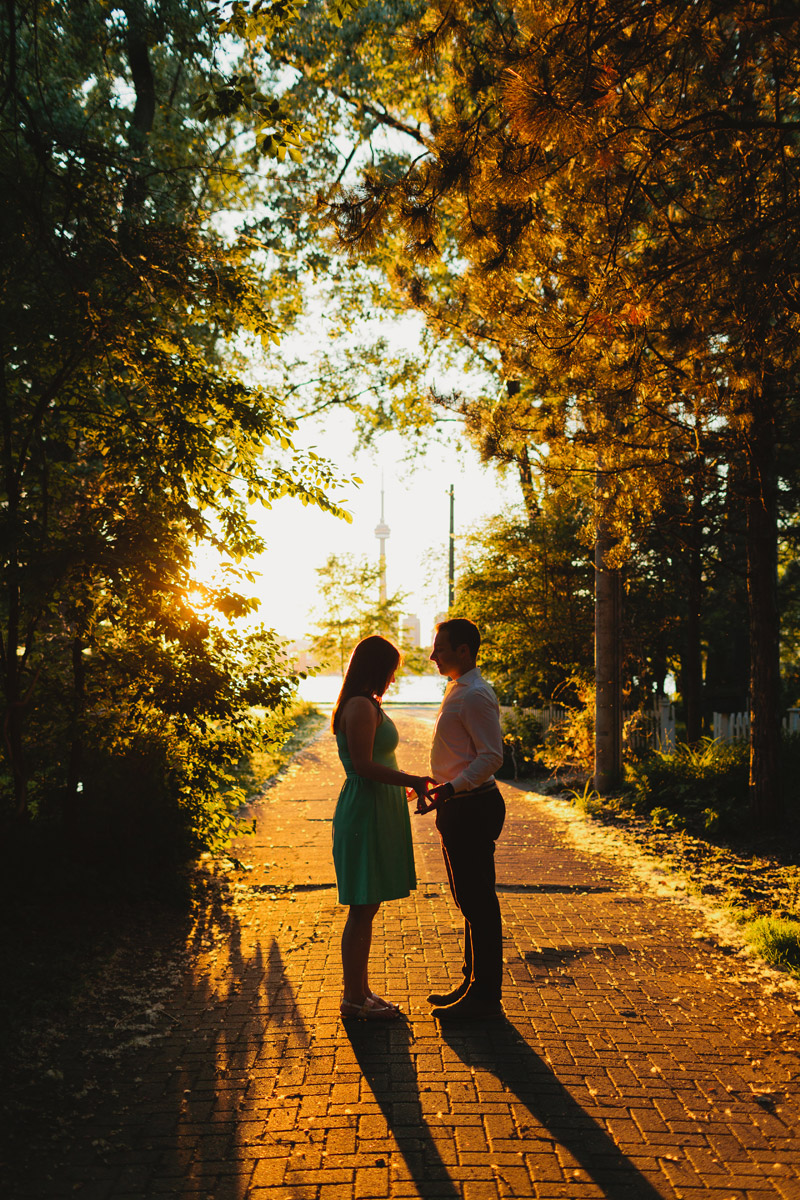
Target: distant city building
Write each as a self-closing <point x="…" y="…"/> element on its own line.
<point x="301" y="656"/>
<point x="410" y="632"/>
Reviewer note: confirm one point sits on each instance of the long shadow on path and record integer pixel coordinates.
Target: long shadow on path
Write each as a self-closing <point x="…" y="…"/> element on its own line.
<point x="383" y="1053"/>
<point x="498" y="1048"/>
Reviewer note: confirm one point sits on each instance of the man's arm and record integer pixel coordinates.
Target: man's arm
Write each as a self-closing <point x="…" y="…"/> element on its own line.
<point x="480" y="715"/>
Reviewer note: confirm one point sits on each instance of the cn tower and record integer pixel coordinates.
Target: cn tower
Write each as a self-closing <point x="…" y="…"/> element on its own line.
<point x="382" y="532"/>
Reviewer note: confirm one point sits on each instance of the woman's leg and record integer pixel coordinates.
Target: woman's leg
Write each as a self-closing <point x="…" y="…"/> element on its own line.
<point x="356" y="942"/>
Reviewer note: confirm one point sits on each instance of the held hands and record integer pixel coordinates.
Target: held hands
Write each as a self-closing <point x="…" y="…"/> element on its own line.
<point x="419" y="789"/>
<point x="433" y="797"/>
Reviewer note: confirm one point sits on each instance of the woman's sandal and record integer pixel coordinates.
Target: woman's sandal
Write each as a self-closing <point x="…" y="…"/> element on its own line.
<point x="384" y="1003"/>
<point x="368" y="1011"/>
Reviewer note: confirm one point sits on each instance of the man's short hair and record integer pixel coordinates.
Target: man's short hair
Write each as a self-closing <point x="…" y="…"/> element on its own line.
<point x="461" y="632"/>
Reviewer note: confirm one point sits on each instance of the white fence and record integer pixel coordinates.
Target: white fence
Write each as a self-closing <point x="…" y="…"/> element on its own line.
<point x="642" y="729"/>
<point x="543" y="717"/>
<point x="652" y="729"/>
<point x="735" y="727"/>
<point x="655" y="728"/>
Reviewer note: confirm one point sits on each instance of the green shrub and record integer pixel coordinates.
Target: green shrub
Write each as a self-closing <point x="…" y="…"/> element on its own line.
<point x="570" y="742"/>
<point x="282" y="732"/>
<point x="149" y="803"/>
<point x="567" y="744"/>
<point x="522" y="740"/>
<point x="702" y="787"/>
<point x="175" y="790"/>
<point x="141" y="769"/>
<point x="663" y="818"/>
<point x="777" y="941"/>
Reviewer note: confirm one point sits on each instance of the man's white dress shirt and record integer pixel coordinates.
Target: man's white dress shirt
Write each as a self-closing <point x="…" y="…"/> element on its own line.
<point x="467" y="741"/>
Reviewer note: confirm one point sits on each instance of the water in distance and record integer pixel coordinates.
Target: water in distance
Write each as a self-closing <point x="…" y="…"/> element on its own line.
<point x="408" y="689"/>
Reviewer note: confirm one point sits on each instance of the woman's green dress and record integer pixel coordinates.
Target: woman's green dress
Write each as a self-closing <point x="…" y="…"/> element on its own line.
<point x="372" y="848"/>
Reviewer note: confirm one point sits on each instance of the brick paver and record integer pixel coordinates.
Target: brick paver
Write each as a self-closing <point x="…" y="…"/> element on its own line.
<point x="636" y="1060"/>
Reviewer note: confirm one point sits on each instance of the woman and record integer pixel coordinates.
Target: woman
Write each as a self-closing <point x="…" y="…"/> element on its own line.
<point x="372" y="849"/>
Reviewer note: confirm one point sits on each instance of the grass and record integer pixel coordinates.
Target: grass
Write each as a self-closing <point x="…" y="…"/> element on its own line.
<point x="284" y="735"/>
<point x="588" y="801"/>
<point x="777" y="941"/>
<point x="689" y="811"/>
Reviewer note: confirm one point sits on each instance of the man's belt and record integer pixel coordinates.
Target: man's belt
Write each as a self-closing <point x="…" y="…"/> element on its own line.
<point x="482" y="790"/>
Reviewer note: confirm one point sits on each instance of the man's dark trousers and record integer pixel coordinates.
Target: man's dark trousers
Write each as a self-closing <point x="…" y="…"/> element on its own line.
<point x="469" y="825"/>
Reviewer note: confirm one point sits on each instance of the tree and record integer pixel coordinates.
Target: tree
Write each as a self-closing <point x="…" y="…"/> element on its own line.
<point x="351" y="608"/>
<point x="416" y="659"/>
<point x="597" y="202"/>
<point x="528" y="585"/>
<point x="698" y="115"/>
<point x="129" y="430"/>
<point x="422" y="256"/>
<point x="592" y="163"/>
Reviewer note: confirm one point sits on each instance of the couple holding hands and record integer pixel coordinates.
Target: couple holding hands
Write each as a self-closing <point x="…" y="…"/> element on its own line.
<point x="372" y="847"/>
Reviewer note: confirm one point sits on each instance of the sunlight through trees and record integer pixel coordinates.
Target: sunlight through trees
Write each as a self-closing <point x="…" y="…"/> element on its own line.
<point x="593" y="207"/>
<point x="597" y="203"/>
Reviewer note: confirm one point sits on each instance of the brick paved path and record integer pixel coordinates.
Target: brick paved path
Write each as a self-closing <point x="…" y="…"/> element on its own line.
<point x="635" y="1061"/>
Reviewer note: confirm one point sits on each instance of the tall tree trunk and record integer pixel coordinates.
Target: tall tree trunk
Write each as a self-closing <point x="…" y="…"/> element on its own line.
<point x="525" y="472"/>
<point x="12" y="660"/>
<point x="12" y="729"/>
<point x="693" y="661"/>
<point x="138" y="44"/>
<point x="75" y="760"/>
<point x="608" y="691"/>
<point x="762" y="595"/>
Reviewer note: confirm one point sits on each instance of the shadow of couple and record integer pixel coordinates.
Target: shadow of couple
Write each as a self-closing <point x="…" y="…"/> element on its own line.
<point x="386" y="1055"/>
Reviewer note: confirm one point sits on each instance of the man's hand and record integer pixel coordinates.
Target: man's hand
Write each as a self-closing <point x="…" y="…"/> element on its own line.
<point x="435" y="796"/>
<point x="419" y="788"/>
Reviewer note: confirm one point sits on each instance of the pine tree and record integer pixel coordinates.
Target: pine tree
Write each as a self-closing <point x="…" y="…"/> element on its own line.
<point x="613" y="193"/>
<point x="597" y="202"/>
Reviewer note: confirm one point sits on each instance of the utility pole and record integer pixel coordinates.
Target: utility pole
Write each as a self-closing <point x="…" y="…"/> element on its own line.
<point x="451" y="572"/>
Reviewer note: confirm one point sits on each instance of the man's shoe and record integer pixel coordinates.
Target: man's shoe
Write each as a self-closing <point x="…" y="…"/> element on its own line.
<point x="469" y="1008"/>
<point x="443" y="998"/>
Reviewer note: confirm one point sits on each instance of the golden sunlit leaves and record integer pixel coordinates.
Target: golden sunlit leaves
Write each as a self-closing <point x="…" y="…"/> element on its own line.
<point x="133" y="428"/>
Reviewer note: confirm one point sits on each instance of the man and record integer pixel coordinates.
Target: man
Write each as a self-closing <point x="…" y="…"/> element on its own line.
<point x="467" y="748"/>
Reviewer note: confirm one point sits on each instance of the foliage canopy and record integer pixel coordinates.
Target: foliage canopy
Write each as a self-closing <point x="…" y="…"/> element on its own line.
<point x="130" y="429"/>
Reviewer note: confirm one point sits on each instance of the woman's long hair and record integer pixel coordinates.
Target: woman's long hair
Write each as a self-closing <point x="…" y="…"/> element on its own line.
<point x="372" y="664"/>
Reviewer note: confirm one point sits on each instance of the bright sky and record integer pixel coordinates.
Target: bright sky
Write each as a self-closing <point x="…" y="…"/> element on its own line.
<point x="417" y="512"/>
<point x="417" y="507"/>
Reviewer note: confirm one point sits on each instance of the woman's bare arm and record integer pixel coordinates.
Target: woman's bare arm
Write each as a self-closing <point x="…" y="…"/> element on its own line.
<point x="359" y="721"/>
